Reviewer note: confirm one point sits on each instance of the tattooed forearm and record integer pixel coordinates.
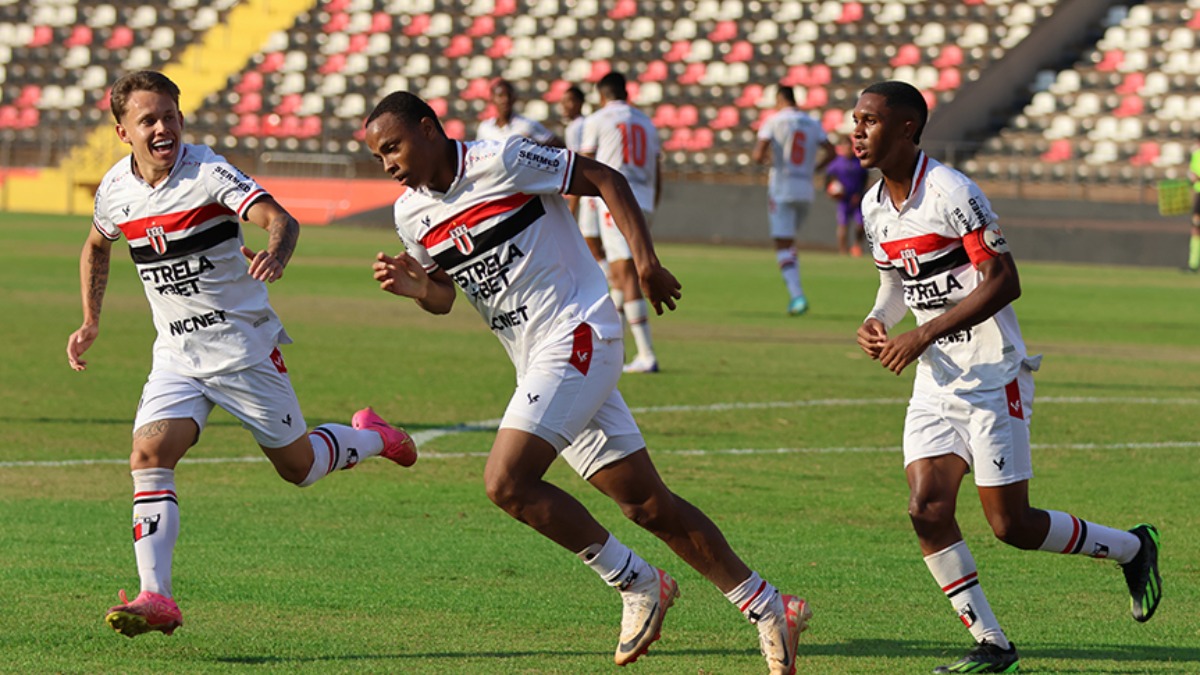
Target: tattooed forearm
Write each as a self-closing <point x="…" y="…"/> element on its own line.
<point x="151" y="430"/>
<point x="96" y="279"/>
<point x="284" y="233"/>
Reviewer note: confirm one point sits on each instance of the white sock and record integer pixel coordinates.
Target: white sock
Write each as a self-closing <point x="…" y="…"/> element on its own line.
<point x="617" y="565"/>
<point x="756" y="598"/>
<point x="638" y="314"/>
<point x="618" y="298"/>
<point x="1072" y="535"/>
<point x="789" y="267"/>
<point x="603" y="263"/>
<point x="954" y="570"/>
<point x="155" y="527"/>
<point x="337" y="446"/>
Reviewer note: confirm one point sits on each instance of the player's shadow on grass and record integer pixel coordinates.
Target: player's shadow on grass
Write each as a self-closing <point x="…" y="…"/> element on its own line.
<point x="127" y="421"/>
<point x="1031" y="653"/>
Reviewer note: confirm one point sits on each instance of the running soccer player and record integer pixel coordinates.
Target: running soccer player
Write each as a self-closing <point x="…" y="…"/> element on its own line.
<point x="789" y="141"/>
<point x="584" y="208"/>
<point x="940" y="253"/>
<point x="508" y="122"/>
<point x="489" y="218"/>
<point x="218" y="337"/>
<point x="623" y="137"/>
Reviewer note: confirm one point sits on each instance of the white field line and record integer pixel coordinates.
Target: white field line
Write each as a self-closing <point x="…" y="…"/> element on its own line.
<point x="427" y="435"/>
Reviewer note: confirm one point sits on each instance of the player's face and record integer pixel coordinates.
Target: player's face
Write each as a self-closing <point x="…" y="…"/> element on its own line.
<point x="878" y="131"/>
<point x="406" y="151"/>
<point x="571" y="107"/>
<point x="153" y="126"/>
<point x="502" y="98"/>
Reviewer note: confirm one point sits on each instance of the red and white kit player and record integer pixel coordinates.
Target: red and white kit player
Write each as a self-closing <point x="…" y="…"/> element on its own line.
<point x="489" y="219"/>
<point x="941" y="254"/>
<point x="623" y="137"/>
<point x="218" y="337"/>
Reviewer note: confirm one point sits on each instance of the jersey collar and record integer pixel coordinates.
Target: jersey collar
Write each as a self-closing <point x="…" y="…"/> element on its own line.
<point x="918" y="182"/>
<point x="178" y="163"/>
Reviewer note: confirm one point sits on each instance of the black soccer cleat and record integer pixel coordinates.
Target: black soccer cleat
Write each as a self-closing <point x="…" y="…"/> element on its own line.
<point x="1141" y="574"/>
<point x="985" y="657"/>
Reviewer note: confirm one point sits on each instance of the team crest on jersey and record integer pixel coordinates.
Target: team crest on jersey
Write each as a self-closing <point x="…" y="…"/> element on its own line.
<point x="911" y="265"/>
<point x="144" y="526"/>
<point x="461" y="236"/>
<point x="158" y="239"/>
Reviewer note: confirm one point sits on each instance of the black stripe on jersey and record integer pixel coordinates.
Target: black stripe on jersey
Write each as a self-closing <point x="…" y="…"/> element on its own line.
<point x="970" y="584"/>
<point x="502" y="232"/>
<point x="179" y="248"/>
<point x="952" y="260"/>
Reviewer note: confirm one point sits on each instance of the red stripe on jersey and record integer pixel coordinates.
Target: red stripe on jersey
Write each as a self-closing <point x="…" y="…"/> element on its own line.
<point x="473" y="216"/>
<point x="141" y="495"/>
<point x="581" y="348"/>
<point x="977" y="249"/>
<point x="1012" y="391"/>
<point x="753" y="597"/>
<point x="926" y="243"/>
<point x="920" y="174"/>
<point x="567" y="174"/>
<point x="955" y="584"/>
<point x="249" y="201"/>
<point x="173" y="222"/>
<point x="1074" y="535"/>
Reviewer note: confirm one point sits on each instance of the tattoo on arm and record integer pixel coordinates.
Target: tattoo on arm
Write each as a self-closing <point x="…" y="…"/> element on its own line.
<point x="284" y="233"/>
<point x="97" y="280"/>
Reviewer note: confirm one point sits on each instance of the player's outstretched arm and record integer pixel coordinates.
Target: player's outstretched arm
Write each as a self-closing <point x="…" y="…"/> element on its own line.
<point x="283" y="230"/>
<point x="1000" y="286"/>
<point x="402" y="275"/>
<point x="93" y="281"/>
<point x="590" y="179"/>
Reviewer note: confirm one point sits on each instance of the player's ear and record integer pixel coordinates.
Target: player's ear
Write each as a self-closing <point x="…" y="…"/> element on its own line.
<point x="123" y="135"/>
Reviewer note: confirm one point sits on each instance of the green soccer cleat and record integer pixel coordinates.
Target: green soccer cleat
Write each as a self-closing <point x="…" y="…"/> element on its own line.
<point x="1141" y="574"/>
<point x="985" y="657"/>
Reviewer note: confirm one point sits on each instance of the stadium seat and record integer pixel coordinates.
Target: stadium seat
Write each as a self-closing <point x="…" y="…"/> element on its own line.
<point x="1111" y="60"/>
<point x="80" y="36"/>
<point x="500" y="47"/>
<point x="727" y="117"/>
<point x="724" y="31"/>
<point x="656" y="71"/>
<point x="482" y="26"/>
<point x="1148" y="152"/>
<point x="693" y="73"/>
<point x="417" y="25"/>
<point x="740" y="52"/>
<point x="623" y="9"/>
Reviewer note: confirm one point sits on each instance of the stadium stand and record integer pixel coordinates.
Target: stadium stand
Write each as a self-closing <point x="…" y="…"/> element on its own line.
<point x="705" y="70"/>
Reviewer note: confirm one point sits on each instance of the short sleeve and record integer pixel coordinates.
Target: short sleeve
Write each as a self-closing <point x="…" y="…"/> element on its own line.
<point x="229" y="186"/>
<point x="100" y="218"/>
<point x="970" y="214"/>
<point x="537" y="169"/>
<point x="539" y="133"/>
<point x="590" y="138"/>
<point x="766" y="131"/>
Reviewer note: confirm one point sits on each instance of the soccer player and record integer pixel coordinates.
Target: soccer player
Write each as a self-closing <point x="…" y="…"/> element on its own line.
<point x="940" y="253"/>
<point x="488" y="217"/>
<point x="789" y="141"/>
<point x="845" y="183"/>
<point x="218" y="337"/>
<point x="623" y="137"/>
<point x="508" y="122"/>
<point x="584" y="208"/>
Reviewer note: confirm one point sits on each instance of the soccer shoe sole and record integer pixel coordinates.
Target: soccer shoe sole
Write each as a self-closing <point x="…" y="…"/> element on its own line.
<point x="130" y="624"/>
<point x="656" y="625"/>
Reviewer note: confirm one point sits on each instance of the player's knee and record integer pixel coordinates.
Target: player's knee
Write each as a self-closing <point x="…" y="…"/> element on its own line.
<point x="928" y="513"/>
<point x="295" y="475"/>
<point x="505" y="493"/>
<point x="653" y="514"/>
<point x="1014" y="530"/>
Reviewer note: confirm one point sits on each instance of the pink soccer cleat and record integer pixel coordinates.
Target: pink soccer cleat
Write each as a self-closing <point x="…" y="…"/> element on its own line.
<point x="398" y="446"/>
<point x="150" y="611"/>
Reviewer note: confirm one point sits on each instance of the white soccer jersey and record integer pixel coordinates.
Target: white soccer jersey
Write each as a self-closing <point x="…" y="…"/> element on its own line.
<point x="519" y="125"/>
<point x="184" y="236"/>
<point x="933" y="241"/>
<point x="504" y="234"/>
<point x="623" y="137"/>
<point x="794" y="137"/>
<point x="573" y="134"/>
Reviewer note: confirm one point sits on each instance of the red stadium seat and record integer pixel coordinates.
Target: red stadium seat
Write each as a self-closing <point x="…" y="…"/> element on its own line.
<point x="479" y="88"/>
<point x="1111" y="61"/>
<point x="460" y="45"/>
<point x="120" y="38"/>
<point x="817" y="97"/>
<point x="1060" y="151"/>
<point x="949" y="79"/>
<point x="455" y="129"/>
<point x="796" y="75"/>
<point x="1194" y="22"/>
<point x="763" y="115"/>
<point x="851" y="12"/>
<point x="741" y="52"/>
<point x="358" y="42"/>
<point x="680" y="49"/>
<point x="624" y="9"/>
<point x="665" y="116"/>
<point x="907" y="55"/>
<point x="333" y="6"/>
<point x="555" y="93"/>
<point x="8" y="116"/>
<point x="951" y="55"/>
<point x="1130" y="105"/>
<point x="481" y="26"/>
<point x="687" y="115"/>
<point x="337" y="23"/>
<point x="252" y="80"/>
<point x="250" y="102"/>
<point x="832" y="119"/>
<point x="599" y="69"/>
<point x="440" y="106"/>
<point x="727" y="118"/>
<point x="248" y="125"/>
<point x="1132" y="83"/>
<point x="81" y="36"/>
<point x="272" y="62"/>
<point x="504" y="7"/>
<point x="501" y="46"/>
<point x="656" y="71"/>
<point x="28" y="118"/>
<point x="1148" y="152"/>
<point x="417" y="25"/>
<point x="702" y="139"/>
<point x="42" y="36"/>
<point x="30" y="95"/>
<point x="334" y="63"/>
<point x="724" y="31"/>
<point x="310" y="127"/>
<point x="381" y="22"/>
<point x="289" y="104"/>
<point x="819" y="75"/>
<point x="749" y="97"/>
<point x="679" y="140"/>
<point x="693" y="74"/>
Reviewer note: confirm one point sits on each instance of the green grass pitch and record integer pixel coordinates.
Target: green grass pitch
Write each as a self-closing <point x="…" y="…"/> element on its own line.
<point x="778" y="427"/>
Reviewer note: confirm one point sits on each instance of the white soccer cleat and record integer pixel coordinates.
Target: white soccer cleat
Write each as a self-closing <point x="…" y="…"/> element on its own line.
<point x="642" y="618"/>
<point x="640" y="365"/>
<point x="779" y="632"/>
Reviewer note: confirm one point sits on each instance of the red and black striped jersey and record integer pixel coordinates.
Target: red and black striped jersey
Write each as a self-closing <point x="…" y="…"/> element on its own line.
<point x="185" y="239"/>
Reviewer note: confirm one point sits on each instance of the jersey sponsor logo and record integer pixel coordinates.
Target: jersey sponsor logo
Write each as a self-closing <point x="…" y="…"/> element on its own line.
<point x="239" y="180"/>
<point x="461" y="236"/>
<point x="487" y="276"/>
<point x="505" y="320"/>
<point x="192" y="324"/>
<point x="181" y="278"/>
<point x="539" y="161"/>
<point x="994" y="239"/>
<point x="958" y="337"/>
<point x="911" y="264"/>
<point x="931" y="294"/>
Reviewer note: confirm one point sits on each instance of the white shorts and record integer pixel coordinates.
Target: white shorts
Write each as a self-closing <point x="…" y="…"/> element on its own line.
<point x="786" y="217"/>
<point x="989" y="429"/>
<point x="615" y="246"/>
<point x="589" y="218"/>
<point x="261" y="396"/>
<point x="568" y="397"/>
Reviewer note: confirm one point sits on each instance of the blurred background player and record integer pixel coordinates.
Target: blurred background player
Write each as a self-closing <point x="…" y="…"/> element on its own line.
<point x="218" y="337"/>
<point x="584" y="208"/>
<point x="845" y="183"/>
<point x="499" y="203"/>
<point x="789" y="141"/>
<point x="940" y="253"/>
<point x="508" y="122"/>
<point x="623" y="137"/>
<point x="1194" y="176"/>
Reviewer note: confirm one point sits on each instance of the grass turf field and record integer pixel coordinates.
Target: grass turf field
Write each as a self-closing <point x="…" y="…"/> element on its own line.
<point x="778" y="427"/>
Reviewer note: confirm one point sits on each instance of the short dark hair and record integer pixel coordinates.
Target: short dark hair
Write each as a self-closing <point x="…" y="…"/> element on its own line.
<point x="407" y="107"/>
<point x="501" y="82"/>
<point x="142" y="80"/>
<point x="787" y="93"/>
<point x="575" y="92"/>
<point x="613" y="87"/>
<point x="897" y="94"/>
